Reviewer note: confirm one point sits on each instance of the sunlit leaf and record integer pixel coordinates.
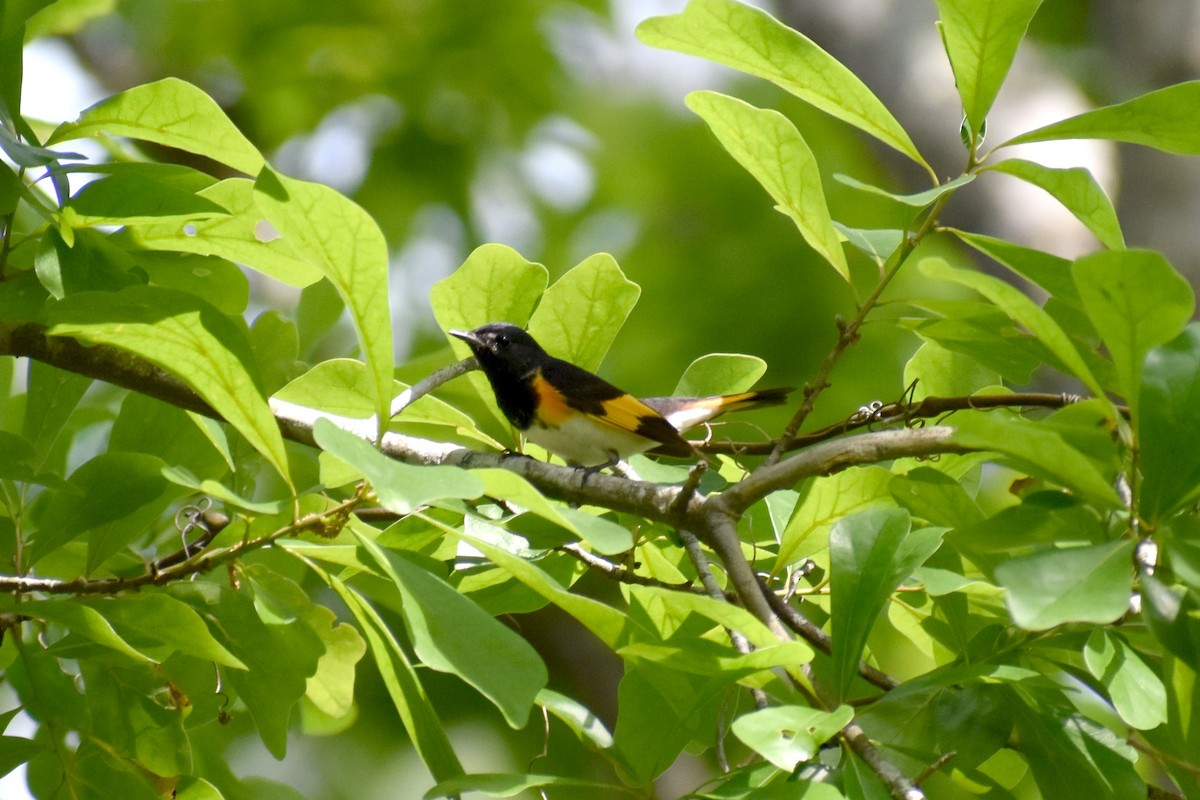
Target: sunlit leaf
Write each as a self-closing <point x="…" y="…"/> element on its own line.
<point x="770" y="148"/>
<point x="1167" y="119"/>
<point x="416" y="710"/>
<point x="157" y="620"/>
<point x="870" y="554"/>
<point x="576" y="716"/>
<point x="579" y="316"/>
<point x="401" y="487"/>
<point x="1136" y="692"/>
<point x="452" y="634"/>
<point x="1077" y="190"/>
<point x="339" y="238"/>
<point x="170" y="112"/>
<point x="240" y="235"/>
<point x="1073" y="584"/>
<point x="188" y="338"/>
<point x="751" y="40"/>
<point x="787" y="735"/>
<point x="1137" y="301"/>
<point x="981" y="38"/>
<point x="1169" y="435"/>
<point x="1020" y="309"/>
<point x="720" y="373"/>
<point x="917" y="200"/>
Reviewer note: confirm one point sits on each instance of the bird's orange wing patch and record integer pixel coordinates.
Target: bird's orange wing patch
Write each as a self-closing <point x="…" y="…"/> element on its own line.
<point x="627" y="413"/>
<point x="552" y="408"/>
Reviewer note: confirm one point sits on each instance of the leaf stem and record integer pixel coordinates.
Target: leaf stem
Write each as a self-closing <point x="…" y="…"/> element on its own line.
<point x="848" y="332"/>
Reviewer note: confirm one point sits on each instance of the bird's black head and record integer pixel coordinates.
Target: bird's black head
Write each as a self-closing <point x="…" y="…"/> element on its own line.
<point x="503" y="349"/>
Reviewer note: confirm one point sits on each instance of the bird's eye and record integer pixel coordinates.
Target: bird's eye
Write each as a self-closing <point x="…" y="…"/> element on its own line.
<point x="502" y="340"/>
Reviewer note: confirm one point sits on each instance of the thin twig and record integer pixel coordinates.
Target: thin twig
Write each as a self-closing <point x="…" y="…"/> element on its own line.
<point x="848" y="332"/>
<point x="898" y="413"/>
<point x="821" y="640"/>
<point x="898" y="784"/>
<point x="623" y="575"/>
<point x="326" y="521"/>
<point x="430" y="382"/>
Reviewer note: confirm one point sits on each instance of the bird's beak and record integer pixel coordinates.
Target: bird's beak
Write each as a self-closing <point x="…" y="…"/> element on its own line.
<point x="467" y="336"/>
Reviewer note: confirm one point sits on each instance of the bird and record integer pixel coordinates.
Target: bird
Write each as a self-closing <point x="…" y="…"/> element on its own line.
<point x="583" y="418"/>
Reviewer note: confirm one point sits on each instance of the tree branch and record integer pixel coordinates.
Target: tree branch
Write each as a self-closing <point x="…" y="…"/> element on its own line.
<point x="327" y="522"/>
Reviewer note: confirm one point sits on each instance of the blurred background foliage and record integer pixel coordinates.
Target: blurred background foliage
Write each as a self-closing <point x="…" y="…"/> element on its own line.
<point x="546" y="125"/>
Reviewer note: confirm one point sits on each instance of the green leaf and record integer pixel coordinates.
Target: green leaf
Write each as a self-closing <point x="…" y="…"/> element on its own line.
<point x="452" y="634"/>
<point x="1166" y="119"/>
<point x="1169" y="437"/>
<point x="579" y="316"/>
<point x="281" y="601"/>
<point x="1136" y="692"/>
<point x="238" y="235"/>
<point x="133" y="197"/>
<point x="971" y="718"/>
<point x="270" y="632"/>
<point x="1077" y="190"/>
<point x="788" y="735"/>
<point x="1038" y="449"/>
<point x="1173" y="614"/>
<point x="720" y="373"/>
<point x="935" y="497"/>
<point x="770" y="148"/>
<point x="193" y="788"/>
<point x="1048" y="271"/>
<point x="939" y="372"/>
<point x="129" y="717"/>
<point x="610" y="625"/>
<point x="342" y="386"/>
<point x="340" y="239"/>
<point x="157" y="620"/>
<point x="750" y="40"/>
<point x="1023" y="310"/>
<point x="402" y="488"/>
<point x="84" y="620"/>
<point x="673" y="607"/>
<point x="604" y="536"/>
<point x="659" y="711"/>
<point x="53" y="395"/>
<point x="109" y="488"/>
<point x="491" y="784"/>
<point x="1137" y="301"/>
<point x="1042" y="518"/>
<point x="416" y="710"/>
<point x="90" y="263"/>
<point x="577" y="717"/>
<point x="984" y="334"/>
<point x="170" y="112"/>
<point x="918" y="200"/>
<point x="212" y="279"/>
<point x="876" y="243"/>
<point x="824" y="501"/>
<point x="494" y="284"/>
<point x="981" y="38"/>
<point x="15" y="751"/>
<point x="1071" y="756"/>
<point x="1074" y="584"/>
<point x="188" y="338"/>
<point x="870" y="554"/>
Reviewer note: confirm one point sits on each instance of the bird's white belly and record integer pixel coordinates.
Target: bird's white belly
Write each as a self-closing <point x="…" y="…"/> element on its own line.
<point x="587" y="443"/>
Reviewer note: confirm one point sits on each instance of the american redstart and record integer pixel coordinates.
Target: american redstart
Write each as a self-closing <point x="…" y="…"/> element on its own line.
<point x="582" y="417"/>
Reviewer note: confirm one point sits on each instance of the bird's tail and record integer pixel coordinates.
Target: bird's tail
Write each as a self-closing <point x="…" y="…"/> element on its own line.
<point x="687" y="412"/>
